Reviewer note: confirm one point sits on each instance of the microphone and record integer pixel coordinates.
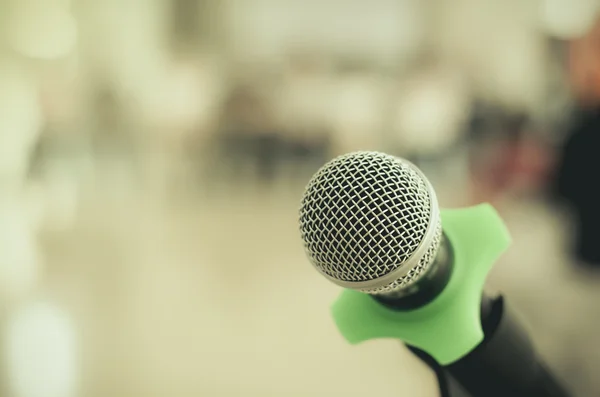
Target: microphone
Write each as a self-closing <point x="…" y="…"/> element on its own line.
<point x="370" y="223"/>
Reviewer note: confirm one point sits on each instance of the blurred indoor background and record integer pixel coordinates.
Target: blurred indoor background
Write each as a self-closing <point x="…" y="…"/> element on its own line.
<point x="153" y="154"/>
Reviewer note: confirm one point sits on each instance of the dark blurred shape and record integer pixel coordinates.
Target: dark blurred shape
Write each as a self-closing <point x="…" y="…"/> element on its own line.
<point x="193" y="24"/>
<point x="113" y="137"/>
<point x="306" y="142"/>
<point x="255" y="143"/>
<point x="247" y="135"/>
<point x="579" y="160"/>
<point x="509" y="155"/>
<point x="185" y="18"/>
<point x="576" y="184"/>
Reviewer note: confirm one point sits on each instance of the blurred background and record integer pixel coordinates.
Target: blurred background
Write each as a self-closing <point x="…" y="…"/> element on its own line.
<point x="153" y="154"/>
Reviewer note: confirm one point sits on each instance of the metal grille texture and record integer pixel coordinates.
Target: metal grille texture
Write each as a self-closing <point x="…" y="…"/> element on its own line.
<point x="363" y="215"/>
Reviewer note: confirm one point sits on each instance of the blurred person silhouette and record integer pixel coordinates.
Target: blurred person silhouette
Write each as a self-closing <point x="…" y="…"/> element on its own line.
<point x="179" y="124"/>
<point x="580" y="158"/>
<point x="113" y="140"/>
<point x="508" y="156"/>
<point x="302" y="106"/>
<point x="247" y="137"/>
<point x="108" y="137"/>
<point x="60" y="161"/>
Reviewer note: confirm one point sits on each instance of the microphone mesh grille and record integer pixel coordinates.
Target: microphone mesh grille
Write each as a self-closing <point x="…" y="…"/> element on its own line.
<point x="363" y="215"/>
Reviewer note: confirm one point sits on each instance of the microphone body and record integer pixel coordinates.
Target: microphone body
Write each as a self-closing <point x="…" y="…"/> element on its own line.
<point x="449" y="326"/>
<point x="504" y="364"/>
<point x="370" y="224"/>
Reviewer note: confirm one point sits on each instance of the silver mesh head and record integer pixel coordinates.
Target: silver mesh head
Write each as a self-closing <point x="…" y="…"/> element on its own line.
<point x="370" y="222"/>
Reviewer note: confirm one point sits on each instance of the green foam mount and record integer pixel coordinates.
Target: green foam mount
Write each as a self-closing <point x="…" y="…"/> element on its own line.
<point x="448" y="327"/>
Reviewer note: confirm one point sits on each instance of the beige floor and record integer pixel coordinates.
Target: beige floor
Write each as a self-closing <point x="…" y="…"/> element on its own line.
<point x="213" y="297"/>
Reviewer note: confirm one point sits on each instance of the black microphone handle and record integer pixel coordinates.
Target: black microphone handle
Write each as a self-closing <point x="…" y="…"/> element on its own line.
<point x="448" y="385"/>
<point x="505" y="364"/>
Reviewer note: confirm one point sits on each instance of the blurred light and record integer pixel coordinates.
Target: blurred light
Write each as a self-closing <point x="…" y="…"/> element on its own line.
<point x="189" y="94"/>
<point x="567" y="19"/>
<point x="379" y="29"/>
<point x="123" y="42"/>
<point x="499" y="45"/>
<point x="20" y="118"/>
<point x="357" y="111"/>
<point x="41" y="348"/>
<point x="59" y="198"/>
<point x="43" y="30"/>
<point x="19" y="261"/>
<point x="429" y="116"/>
<point x="515" y="72"/>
